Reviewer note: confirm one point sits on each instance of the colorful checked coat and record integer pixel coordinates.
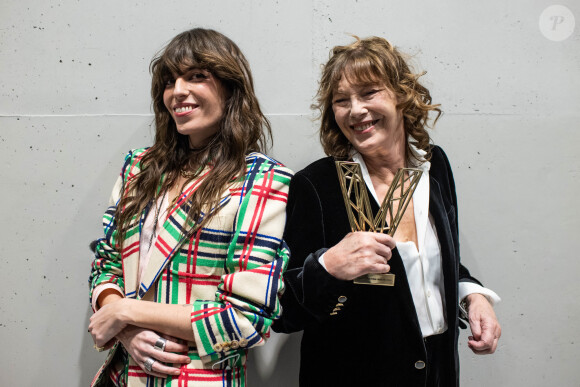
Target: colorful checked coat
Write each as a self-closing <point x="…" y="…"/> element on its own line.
<point x="229" y="271"/>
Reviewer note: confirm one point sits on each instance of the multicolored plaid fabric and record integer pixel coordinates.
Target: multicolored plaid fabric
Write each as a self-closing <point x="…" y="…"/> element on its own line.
<point x="230" y="271"/>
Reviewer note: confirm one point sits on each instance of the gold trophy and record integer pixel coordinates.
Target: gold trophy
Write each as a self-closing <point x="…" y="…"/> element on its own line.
<point x="391" y="212"/>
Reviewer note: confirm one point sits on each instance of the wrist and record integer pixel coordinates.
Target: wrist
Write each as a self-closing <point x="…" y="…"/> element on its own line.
<point x="475" y="297"/>
<point x="126" y="313"/>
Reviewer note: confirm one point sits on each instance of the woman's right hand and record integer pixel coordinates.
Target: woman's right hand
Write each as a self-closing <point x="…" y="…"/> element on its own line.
<point x="140" y="344"/>
<point x="359" y="253"/>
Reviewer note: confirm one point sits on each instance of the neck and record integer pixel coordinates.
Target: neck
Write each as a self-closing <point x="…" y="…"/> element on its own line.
<point x="387" y="162"/>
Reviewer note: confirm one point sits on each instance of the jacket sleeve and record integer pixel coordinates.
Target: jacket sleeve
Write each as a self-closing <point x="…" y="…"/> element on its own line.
<point x="311" y="292"/>
<point x="107" y="266"/>
<point x="438" y="153"/>
<point x="247" y="299"/>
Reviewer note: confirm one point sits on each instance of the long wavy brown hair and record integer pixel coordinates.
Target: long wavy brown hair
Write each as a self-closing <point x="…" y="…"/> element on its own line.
<point x="370" y="61"/>
<point x="243" y="129"/>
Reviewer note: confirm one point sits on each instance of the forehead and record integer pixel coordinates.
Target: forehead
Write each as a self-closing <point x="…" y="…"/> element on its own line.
<point x="346" y="84"/>
<point x="174" y="66"/>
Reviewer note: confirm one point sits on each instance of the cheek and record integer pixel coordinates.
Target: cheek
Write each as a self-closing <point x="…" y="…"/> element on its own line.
<point x="167" y="100"/>
<point x="340" y="117"/>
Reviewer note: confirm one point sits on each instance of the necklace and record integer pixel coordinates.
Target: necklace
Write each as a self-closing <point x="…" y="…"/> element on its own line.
<point x="157" y="211"/>
<point x="187" y="174"/>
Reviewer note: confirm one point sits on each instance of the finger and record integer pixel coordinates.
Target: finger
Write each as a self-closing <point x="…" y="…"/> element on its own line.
<point x="379" y="267"/>
<point x="479" y="347"/>
<point x="168" y="357"/>
<point x="161" y="370"/>
<point x="475" y="326"/>
<point x="383" y="251"/>
<point x="475" y="347"/>
<point x="487" y="337"/>
<point x="493" y="346"/>
<point x="110" y="344"/>
<point x="174" y="344"/>
<point x="385" y="240"/>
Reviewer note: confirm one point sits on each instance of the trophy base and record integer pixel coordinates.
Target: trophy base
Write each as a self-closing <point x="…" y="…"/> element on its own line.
<point x="383" y="279"/>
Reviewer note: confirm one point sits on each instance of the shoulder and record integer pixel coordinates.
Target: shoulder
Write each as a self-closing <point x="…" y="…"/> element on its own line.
<point x="321" y="168"/>
<point x="439" y="160"/>
<point x="134" y="156"/>
<point x="258" y="163"/>
<point x="320" y="178"/>
<point x="132" y="163"/>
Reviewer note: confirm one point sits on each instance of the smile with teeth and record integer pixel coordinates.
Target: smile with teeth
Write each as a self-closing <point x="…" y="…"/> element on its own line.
<point x="364" y="126"/>
<point x="183" y="109"/>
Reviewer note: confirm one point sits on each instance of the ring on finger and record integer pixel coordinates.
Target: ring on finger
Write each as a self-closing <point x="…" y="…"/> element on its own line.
<point x="160" y="344"/>
<point x="148" y="364"/>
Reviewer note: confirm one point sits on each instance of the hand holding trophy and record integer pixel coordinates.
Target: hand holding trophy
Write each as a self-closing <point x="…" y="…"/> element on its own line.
<point x="359" y="211"/>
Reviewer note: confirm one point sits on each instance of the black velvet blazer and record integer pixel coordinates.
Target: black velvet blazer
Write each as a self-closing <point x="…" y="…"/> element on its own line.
<point x="359" y="334"/>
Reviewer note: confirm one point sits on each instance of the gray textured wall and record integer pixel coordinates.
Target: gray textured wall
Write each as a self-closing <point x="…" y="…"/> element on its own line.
<point x="74" y="97"/>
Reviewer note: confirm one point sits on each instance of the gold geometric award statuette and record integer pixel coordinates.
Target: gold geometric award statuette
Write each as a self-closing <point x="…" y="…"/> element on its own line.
<point x="359" y="211"/>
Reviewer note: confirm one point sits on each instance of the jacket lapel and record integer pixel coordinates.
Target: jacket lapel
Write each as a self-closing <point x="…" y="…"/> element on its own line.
<point x="440" y="216"/>
<point x="174" y="233"/>
<point x="401" y="288"/>
<point x="130" y="256"/>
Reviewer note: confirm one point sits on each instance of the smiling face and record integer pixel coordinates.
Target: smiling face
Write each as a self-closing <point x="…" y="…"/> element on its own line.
<point x="368" y="117"/>
<point x="196" y="102"/>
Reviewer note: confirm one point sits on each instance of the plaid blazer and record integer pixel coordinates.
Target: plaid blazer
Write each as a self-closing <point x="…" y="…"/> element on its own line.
<point x="230" y="271"/>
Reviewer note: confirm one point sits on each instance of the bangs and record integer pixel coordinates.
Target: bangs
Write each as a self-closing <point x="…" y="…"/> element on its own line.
<point x="177" y="59"/>
<point x="359" y="70"/>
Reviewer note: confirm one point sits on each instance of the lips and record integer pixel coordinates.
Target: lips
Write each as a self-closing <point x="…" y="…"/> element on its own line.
<point x="361" y="127"/>
<point x="183" y="109"/>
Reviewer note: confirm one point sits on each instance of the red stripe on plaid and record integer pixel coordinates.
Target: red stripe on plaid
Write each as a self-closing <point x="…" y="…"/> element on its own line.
<point x="184" y="196"/>
<point x="191" y="265"/>
<point x="130" y="249"/>
<point x="130" y="175"/>
<point x="262" y="194"/>
<point x="208" y="312"/>
<point x="275" y="194"/>
<point x="267" y="270"/>
<point x="195" y="281"/>
<point x="192" y="375"/>
<point x="136" y="371"/>
<point x="163" y="246"/>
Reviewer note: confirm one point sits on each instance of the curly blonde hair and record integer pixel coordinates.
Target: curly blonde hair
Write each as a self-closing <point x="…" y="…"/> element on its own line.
<point x="369" y="61"/>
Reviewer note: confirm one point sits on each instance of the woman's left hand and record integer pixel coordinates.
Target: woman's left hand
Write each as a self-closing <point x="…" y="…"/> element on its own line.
<point x="108" y="321"/>
<point x="485" y="328"/>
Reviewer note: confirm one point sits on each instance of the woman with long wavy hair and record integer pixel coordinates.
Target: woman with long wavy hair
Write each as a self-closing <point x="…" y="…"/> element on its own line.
<point x="188" y="274"/>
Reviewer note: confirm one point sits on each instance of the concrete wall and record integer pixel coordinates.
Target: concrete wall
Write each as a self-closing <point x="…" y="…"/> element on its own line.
<point x="74" y="97"/>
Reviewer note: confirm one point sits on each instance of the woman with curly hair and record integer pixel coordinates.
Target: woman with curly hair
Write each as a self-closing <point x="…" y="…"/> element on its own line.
<point x="187" y="276"/>
<point x="374" y="112"/>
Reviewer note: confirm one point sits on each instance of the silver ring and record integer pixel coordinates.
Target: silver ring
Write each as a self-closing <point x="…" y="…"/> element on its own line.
<point x="160" y="344"/>
<point x="148" y="364"/>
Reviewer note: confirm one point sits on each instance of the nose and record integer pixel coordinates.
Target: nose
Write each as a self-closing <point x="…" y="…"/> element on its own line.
<point x="180" y="87"/>
<point x="357" y="107"/>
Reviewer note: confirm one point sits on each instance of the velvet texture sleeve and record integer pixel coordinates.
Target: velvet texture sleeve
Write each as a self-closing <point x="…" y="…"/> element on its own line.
<point x="311" y="292"/>
<point x="442" y="167"/>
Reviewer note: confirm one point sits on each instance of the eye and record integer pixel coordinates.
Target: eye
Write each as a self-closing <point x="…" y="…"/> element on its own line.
<point x="198" y="76"/>
<point x="169" y="82"/>
<point x="370" y="92"/>
<point x="339" y="101"/>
